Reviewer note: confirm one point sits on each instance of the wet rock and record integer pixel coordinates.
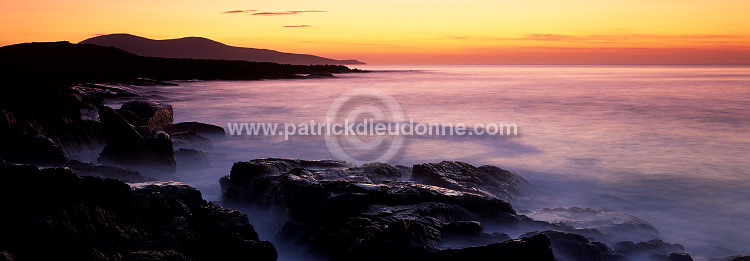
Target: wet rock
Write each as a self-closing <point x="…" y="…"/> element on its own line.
<point x="604" y="224"/>
<point x="671" y="257"/>
<point x="537" y="247"/>
<point x="574" y="247"/>
<point x="238" y="186"/>
<point x="105" y="171"/>
<point x="150" y="114"/>
<point x="488" y="180"/>
<point x="191" y="158"/>
<point x="197" y="127"/>
<point x="342" y="212"/>
<point x="68" y="217"/>
<point x="643" y="250"/>
<point x="462" y="234"/>
<point x="190" y="140"/>
<point x="144" y="149"/>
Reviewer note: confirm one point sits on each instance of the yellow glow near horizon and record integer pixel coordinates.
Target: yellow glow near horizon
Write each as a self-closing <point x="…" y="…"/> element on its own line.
<point x="415" y="31"/>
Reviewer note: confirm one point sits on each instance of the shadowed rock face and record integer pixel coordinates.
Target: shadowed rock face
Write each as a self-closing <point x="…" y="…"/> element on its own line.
<point x="52" y="214"/>
<point x="149" y="114"/>
<point x="144" y="149"/>
<point x="343" y="212"/>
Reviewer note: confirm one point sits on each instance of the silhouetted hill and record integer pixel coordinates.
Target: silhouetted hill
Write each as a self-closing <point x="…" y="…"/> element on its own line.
<point x="202" y="48"/>
<point x="66" y="63"/>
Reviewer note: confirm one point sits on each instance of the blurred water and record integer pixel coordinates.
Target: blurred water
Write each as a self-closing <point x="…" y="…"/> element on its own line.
<point x="668" y="144"/>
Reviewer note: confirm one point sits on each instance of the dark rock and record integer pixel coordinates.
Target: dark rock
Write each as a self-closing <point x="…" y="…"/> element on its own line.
<point x="6" y="256"/>
<point x="742" y="258"/>
<point x="643" y="250"/>
<point x="150" y="114"/>
<point x="190" y="158"/>
<point x="488" y="180"/>
<point x="359" y="213"/>
<point x="671" y="257"/>
<point x="104" y="171"/>
<point x="462" y="234"/>
<point x="67" y="217"/>
<point x="103" y="91"/>
<point x="190" y="140"/>
<point x="148" y="255"/>
<point x="604" y="224"/>
<point x="197" y="127"/>
<point x="148" y="151"/>
<point x="570" y="247"/>
<point x="531" y="248"/>
<point x="21" y="143"/>
<point x="468" y="228"/>
<point x="320" y="75"/>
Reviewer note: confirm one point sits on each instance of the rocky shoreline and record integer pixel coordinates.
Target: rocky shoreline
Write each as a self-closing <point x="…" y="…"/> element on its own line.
<point x="125" y="206"/>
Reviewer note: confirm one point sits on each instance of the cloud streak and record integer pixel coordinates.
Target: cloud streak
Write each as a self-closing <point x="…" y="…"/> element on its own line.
<point x="297" y="26"/>
<point x="288" y="12"/>
<point x="606" y="38"/>
<point x="239" y="11"/>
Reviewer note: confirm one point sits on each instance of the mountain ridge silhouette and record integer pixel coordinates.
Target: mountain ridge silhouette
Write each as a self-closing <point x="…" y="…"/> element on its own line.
<point x="204" y="48"/>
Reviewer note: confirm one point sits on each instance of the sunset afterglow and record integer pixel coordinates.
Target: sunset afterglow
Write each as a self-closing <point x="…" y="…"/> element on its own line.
<point x="414" y="32"/>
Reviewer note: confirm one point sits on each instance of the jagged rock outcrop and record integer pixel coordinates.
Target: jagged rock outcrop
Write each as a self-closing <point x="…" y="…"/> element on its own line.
<point x="20" y="142"/>
<point x="105" y="171"/>
<point x="643" y="250"/>
<point x="52" y="214"/>
<point x="146" y="150"/>
<point x="574" y="247"/>
<point x="343" y="212"/>
<point x="149" y="114"/>
<point x="488" y="180"/>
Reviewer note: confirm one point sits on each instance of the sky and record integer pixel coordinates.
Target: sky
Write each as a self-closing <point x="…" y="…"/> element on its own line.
<point x="414" y="31"/>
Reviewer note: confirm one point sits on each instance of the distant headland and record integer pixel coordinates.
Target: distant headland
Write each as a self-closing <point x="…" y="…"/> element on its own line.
<point x="203" y="48"/>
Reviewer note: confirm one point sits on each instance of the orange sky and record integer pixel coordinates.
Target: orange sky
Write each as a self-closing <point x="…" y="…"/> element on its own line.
<point x="414" y="31"/>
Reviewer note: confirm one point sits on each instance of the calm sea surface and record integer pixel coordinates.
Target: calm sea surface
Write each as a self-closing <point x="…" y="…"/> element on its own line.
<point x="667" y="144"/>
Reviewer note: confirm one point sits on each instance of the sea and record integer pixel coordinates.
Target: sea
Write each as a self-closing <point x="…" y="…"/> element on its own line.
<point x="668" y="144"/>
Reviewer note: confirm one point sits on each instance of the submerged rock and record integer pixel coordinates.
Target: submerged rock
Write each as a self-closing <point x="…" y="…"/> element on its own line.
<point x="66" y="217"/>
<point x="643" y="250"/>
<point x="197" y="127"/>
<point x="190" y="140"/>
<point x="604" y="225"/>
<point x="191" y="158"/>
